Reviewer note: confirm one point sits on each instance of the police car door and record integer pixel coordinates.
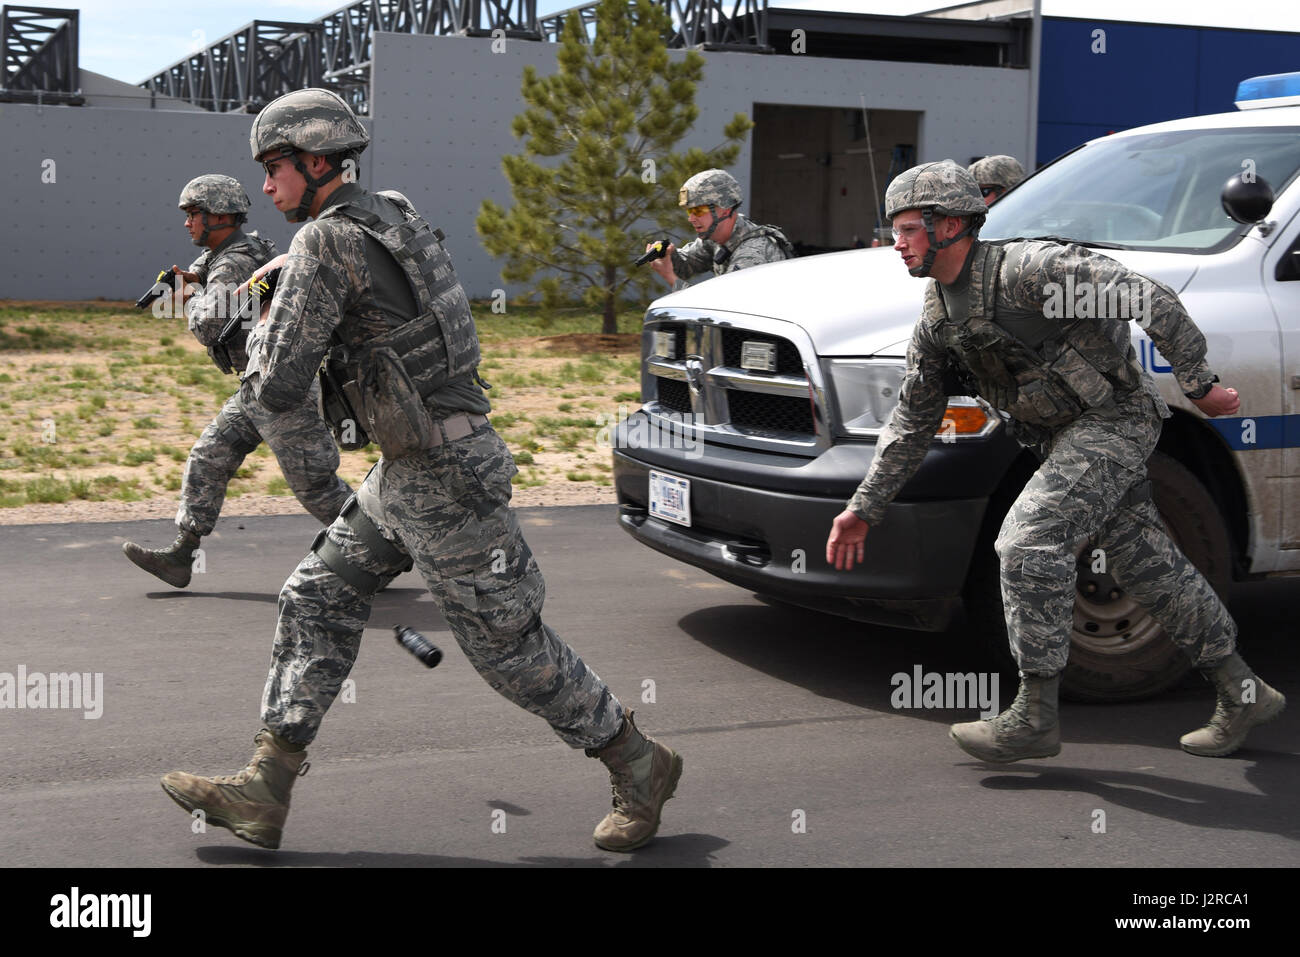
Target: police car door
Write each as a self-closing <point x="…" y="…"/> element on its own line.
<point x="1281" y="277"/>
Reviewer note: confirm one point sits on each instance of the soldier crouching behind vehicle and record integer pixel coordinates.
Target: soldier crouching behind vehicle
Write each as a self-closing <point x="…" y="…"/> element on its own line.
<point x="215" y="207"/>
<point x="370" y="282"/>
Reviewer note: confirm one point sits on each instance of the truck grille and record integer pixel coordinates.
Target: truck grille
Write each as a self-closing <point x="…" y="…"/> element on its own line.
<point x="787" y="356"/>
<point x="754" y="411"/>
<point x="674" y="396"/>
<point x="704" y="377"/>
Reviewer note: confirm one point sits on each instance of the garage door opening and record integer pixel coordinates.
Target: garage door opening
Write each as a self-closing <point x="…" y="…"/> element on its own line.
<point x="812" y="171"/>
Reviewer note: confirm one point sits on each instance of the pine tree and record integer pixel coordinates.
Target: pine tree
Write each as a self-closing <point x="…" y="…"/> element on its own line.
<point x="612" y="115"/>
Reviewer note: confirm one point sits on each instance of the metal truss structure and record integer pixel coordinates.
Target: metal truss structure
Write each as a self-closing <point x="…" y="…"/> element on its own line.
<point x="252" y="66"/>
<point x="38" y="47"/>
<point x="702" y="24"/>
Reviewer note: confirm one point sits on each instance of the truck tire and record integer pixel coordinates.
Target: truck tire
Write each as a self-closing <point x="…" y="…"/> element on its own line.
<point x="1118" y="652"/>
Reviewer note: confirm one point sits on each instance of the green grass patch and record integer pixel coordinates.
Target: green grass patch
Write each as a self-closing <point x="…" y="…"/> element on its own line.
<point x="277" y="486"/>
<point x="145" y="423"/>
<point x="139" y="456"/>
<point x="524" y="457"/>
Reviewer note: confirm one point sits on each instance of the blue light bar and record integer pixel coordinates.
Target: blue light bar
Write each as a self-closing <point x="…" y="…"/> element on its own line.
<point x="1280" y="89"/>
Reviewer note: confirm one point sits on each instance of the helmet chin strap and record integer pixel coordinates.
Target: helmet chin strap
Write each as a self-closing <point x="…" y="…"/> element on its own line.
<point x="203" y="238"/>
<point x="713" y="213"/>
<point x="309" y="194"/>
<point x="927" y="261"/>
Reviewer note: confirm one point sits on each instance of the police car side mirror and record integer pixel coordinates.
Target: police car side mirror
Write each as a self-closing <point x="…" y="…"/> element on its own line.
<point x="1246" y="200"/>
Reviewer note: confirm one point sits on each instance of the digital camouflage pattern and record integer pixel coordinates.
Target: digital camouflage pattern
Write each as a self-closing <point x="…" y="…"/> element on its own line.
<point x="944" y="186"/>
<point x="1004" y="171"/>
<point x="312" y="120"/>
<point x="298" y="436"/>
<point x="750" y="244"/>
<point x="214" y="193"/>
<point x="446" y="507"/>
<point x="224" y="274"/>
<point x="1095" y="432"/>
<point x="712" y="187"/>
<point x="1075" y="497"/>
<point x="303" y="447"/>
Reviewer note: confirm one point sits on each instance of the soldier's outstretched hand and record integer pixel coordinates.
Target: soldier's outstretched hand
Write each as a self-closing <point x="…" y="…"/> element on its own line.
<point x="1218" y="401"/>
<point x="846" y="541"/>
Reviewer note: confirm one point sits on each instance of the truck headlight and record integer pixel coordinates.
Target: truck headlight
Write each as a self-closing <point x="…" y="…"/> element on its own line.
<point x="866" y="391"/>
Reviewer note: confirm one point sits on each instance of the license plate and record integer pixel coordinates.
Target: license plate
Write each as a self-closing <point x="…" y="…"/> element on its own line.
<point x="670" y="498"/>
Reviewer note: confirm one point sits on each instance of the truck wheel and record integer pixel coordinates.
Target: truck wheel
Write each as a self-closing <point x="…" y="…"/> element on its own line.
<point x="1118" y="652"/>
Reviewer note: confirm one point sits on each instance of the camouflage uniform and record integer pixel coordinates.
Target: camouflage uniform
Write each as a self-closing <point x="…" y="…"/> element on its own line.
<point x="446" y="509"/>
<point x="1094" y="420"/>
<point x="369" y="284"/>
<point x="298" y="436"/>
<point x="750" y="244"/>
<point x="1001" y="171"/>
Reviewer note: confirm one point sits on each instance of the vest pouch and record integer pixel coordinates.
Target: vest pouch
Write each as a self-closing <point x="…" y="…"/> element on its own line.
<point x="219" y="353"/>
<point x="1039" y="403"/>
<point x="340" y="406"/>
<point x="1092" y="388"/>
<point x="395" y="412"/>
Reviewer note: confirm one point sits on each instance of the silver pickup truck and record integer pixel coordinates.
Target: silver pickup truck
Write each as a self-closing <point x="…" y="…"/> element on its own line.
<point x="764" y="390"/>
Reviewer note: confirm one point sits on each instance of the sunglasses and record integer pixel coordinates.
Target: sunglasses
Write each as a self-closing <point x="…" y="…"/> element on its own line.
<point x="698" y="210"/>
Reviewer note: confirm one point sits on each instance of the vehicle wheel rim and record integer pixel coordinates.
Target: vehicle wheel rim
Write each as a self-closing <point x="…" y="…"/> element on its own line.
<point x="1106" y="620"/>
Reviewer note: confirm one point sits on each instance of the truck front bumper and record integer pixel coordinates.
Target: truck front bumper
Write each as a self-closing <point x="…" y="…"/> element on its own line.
<point x="774" y="542"/>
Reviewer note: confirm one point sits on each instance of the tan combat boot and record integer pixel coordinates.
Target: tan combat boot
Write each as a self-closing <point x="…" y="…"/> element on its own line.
<point x="173" y="565"/>
<point x="1244" y="701"/>
<point x="643" y="774"/>
<point x="253" y="802"/>
<point x="1028" y="729"/>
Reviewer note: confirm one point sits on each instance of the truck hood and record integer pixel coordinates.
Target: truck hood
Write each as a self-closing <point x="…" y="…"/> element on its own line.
<point x="861" y="302"/>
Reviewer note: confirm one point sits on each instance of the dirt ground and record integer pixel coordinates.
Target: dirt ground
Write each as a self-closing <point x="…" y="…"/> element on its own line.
<point x="150" y="406"/>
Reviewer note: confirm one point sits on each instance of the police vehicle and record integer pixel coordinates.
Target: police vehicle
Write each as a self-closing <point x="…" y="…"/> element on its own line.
<point x="764" y="392"/>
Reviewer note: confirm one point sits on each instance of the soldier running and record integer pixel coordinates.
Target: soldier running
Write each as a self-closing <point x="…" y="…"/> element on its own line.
<point x="370" y="282"/>
<point x="1074" y="390"/>
<point x="215" y="207"/>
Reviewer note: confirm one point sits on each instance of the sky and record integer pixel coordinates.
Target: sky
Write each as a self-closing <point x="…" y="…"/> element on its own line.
<point x="132" y="40"/>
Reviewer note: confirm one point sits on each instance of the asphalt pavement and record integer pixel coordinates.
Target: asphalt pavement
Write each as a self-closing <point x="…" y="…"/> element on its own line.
<point x="795" y="754"/>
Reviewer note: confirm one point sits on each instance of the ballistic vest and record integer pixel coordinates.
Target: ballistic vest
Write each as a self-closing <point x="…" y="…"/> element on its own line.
<point x="1048" y="373"/>
<point x="440" y="343"/>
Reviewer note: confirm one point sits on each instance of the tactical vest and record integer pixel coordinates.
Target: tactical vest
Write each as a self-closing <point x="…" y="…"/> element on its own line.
<point x="1048" y="378"/>
<point x="756" y="231"/>
<point x="230" y="352"/>
<point x="438" y="344"/>
<point x="384" y="383"/>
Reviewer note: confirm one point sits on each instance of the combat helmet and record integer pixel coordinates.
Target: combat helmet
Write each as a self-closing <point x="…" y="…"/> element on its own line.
<point x="712" y="187"/>
<point x="944" y="188"/>
<point x="307" y="121"/>
<point x="1000" y="171"/>
<point x="216" y="194"/>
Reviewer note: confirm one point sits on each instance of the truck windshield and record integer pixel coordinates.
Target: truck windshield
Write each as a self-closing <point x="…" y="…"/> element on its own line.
<point x="1158" y="191"/>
